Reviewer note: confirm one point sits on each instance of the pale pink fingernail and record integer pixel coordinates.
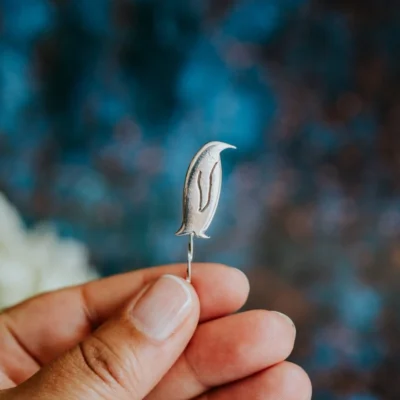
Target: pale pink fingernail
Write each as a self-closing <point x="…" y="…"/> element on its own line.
<point x="163" y="307"/>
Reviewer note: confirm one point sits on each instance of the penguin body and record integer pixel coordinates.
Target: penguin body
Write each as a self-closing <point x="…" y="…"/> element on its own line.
<point x="202" y="190"/>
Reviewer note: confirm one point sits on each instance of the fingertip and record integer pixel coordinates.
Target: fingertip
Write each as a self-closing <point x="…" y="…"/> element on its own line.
<point x="189" y="289"/>
<point x="186" y="286"/>
<point x="222" y="289"/>
<point x="287" y="320"/>
<point x="283" y="381"/>
<point x="265" y="337"/>
<point x="236" y="285"/>
<point x="168" y="305"/>
<point x="241" y="280"/>
<point x="289" y="380"/>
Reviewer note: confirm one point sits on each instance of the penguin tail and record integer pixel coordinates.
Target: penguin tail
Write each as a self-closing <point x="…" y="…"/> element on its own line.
<point x="184" y="231"/>
<point x="202" y="235"/>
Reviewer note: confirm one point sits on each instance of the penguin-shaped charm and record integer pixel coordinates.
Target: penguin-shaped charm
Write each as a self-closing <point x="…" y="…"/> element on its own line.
<point x="202" y="190"/>
<point x="201" y="193"/>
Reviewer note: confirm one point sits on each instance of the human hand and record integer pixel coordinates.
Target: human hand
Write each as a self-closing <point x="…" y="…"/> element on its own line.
<point x="144" y="335"/>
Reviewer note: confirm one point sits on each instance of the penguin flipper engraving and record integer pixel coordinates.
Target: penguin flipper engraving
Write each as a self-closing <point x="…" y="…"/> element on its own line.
<point x="182" y="231"/>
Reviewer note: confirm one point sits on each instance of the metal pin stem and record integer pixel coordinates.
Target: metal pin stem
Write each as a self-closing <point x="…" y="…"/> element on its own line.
<point x="190" y="258"/>
<point x="201" y="195"/>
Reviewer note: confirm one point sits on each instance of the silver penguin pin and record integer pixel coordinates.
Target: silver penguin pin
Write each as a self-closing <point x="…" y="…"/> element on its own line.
<point x="201" y="194"/>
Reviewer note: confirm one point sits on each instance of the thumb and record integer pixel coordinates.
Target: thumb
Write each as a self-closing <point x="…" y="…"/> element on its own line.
<point x="128" y="355"/>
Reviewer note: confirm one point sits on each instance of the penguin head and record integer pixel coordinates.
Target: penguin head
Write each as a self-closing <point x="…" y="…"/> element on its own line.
<point x="215" y="148"/>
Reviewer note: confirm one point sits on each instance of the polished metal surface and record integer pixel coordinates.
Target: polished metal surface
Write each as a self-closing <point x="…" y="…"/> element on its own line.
<point x="201" y="193"/>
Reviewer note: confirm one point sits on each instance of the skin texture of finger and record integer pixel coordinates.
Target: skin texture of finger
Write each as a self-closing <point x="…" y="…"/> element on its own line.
<point x="13" y="357"/>
<point x="37" y="331"/>
<point x="285" y="381"/>
<point x="128" y="355"/>
<point x="225" y="350"/>
<point x="5" y="382"/>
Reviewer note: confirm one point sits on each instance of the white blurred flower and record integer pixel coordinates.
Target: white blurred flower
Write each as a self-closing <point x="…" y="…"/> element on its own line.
<point x="37" y="260"/>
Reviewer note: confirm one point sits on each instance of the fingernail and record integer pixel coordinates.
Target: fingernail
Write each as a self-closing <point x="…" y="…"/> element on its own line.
<point x="287" y="319"/>
<point x="162" y="308"/>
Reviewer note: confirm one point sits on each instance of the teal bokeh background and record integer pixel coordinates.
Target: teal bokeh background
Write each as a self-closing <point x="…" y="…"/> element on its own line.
<point x="103" y="104"/>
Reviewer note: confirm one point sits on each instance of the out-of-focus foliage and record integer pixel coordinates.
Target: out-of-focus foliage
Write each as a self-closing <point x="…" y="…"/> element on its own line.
<point x="103" y="103"/>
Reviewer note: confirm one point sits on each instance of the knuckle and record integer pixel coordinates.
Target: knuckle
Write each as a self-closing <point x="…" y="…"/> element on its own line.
<point x="108" y="366"/>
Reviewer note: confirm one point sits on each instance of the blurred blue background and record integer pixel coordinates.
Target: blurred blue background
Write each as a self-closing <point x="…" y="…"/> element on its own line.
<point x="103" y="104"/>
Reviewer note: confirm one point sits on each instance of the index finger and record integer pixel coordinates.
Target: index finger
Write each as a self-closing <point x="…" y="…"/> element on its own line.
<point x="221" y="289"/>
<point x="50" y="324"/>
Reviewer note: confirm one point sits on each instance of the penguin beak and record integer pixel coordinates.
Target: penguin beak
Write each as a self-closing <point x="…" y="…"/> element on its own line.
<point x="222" y="146"/>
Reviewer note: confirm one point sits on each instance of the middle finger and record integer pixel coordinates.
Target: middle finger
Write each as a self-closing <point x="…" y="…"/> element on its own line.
<point x="225" y="350"/>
